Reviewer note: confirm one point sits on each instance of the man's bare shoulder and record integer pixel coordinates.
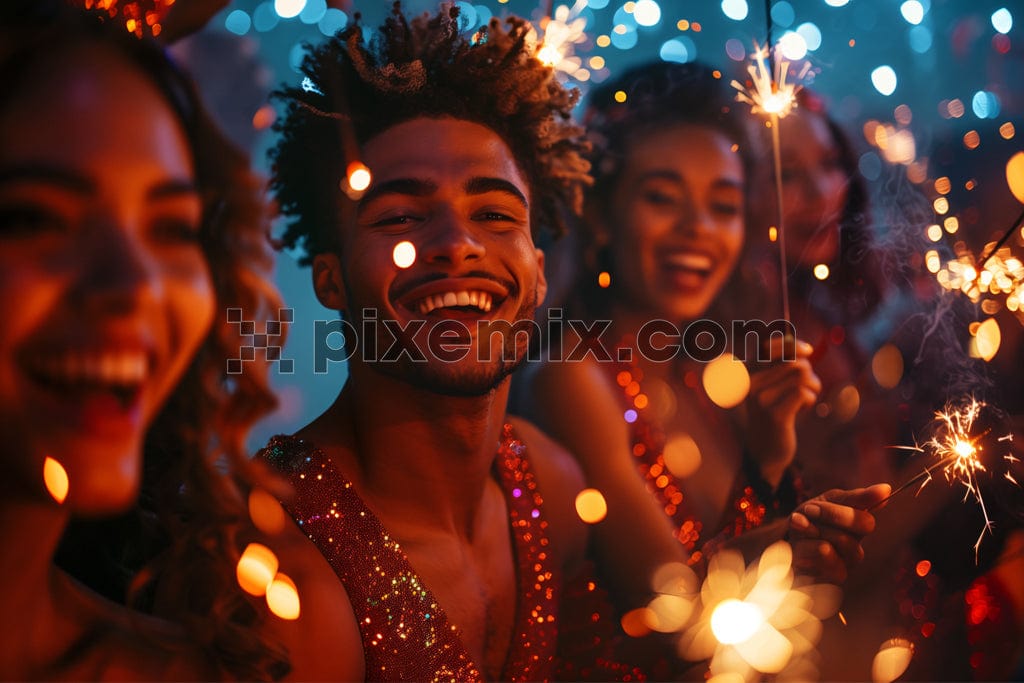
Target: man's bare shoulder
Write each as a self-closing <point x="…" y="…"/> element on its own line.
<point x="324" y="643"/>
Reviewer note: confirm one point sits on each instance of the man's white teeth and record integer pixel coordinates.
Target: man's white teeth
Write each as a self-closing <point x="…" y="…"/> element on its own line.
<point x="690" y="260"/>
<point x="481" y="300"/>
<point x="122" y="368"/>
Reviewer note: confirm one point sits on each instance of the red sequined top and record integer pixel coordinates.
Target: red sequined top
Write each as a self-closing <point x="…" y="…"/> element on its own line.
<point x="406" y="635"/>
<point x="752" y="499"/>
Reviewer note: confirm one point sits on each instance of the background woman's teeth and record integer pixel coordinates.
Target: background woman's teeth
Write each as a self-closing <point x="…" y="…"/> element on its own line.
<point x="463" y="298"/>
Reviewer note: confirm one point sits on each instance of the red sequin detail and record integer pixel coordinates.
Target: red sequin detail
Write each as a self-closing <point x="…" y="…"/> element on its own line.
<point x="648" y="446"/>
<point x="406" y="634"/>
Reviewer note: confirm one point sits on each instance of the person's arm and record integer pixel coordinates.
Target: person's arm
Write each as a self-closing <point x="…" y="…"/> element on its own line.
<point x="324" y="643"/>
<point x="573" y="403"/>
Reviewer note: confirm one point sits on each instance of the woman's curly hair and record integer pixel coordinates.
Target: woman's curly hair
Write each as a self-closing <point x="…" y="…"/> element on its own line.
<point x="174" y="553"/>
<point x="425" y="67"/>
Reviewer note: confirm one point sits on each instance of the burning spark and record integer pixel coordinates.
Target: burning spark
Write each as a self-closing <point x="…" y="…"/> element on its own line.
<point x="957" y="450"/>
<point x="770" y="93"/>
<point x="560" y="34"/>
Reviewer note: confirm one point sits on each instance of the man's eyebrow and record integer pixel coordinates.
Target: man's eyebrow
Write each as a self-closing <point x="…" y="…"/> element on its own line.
<point x="415" y="187"/>
<point x="48" y="175"/>
<point x="483" y="185"/>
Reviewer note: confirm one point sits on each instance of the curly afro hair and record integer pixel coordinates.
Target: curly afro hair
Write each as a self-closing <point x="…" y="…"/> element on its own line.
<point x="353" y="90"/>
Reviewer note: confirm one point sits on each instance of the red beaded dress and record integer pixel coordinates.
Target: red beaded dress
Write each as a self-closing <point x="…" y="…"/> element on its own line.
<point x="752" y="500"/>
<point x="406" y="635"/>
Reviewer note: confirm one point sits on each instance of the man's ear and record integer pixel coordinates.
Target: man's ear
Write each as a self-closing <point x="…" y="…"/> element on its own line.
<point x="542" y="282"/>
<point x="328" y="283"/>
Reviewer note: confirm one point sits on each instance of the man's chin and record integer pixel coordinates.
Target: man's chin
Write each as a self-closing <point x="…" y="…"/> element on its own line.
<point x="470" y="382"/>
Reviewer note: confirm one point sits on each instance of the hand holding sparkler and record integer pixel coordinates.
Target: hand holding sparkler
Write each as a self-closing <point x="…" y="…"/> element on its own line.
<point x="778" y="393"/>
<point x="826" y="531"/>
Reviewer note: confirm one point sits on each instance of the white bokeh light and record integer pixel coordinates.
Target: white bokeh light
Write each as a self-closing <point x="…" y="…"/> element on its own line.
<point x="736" y="10"/>
<point x="793" y="46"/>
<point x="912" y="11"/>
<point x="286" y="9"/>
<point x="647" y="12"/>
<point x="884" y="79"/>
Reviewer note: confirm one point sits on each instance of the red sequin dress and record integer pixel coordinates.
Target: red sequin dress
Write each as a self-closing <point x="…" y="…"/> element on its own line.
<point x="406" y="635"/>
<point x="752" y="501"/>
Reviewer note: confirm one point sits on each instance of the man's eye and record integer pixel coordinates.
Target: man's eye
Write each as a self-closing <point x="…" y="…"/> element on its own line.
<point x="496" y="216"/>
<point x="394" y="220"/>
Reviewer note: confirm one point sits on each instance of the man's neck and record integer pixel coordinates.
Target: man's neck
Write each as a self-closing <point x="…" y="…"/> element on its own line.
<point x="417" y="454"/>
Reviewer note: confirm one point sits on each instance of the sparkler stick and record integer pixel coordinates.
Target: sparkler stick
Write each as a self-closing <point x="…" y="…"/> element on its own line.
<point x="1002" y="240"/>
<point x="958" y="453"/>
<point x="780" y="219"/>
<point x="925" y="474"/>
<point x="772" y="95"/>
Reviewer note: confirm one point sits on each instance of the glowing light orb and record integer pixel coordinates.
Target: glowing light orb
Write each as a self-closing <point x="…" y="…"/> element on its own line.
<point x="986" y="341"/>
<point x="604" y="279"/>
<point x="56" y="479"/>
<point x="591" y="506"/>
<point x="1015" y="176"/>
<point x="912" y="11"/>
<point x="1002" y="20"/>
<point x="359" y="176"/>
<point x="887" y="366"/>
<point x="283" y="598"/>
<point x="404" y="254"/>
<point x="793" y="46"/>
<point x="646" y="12"/>
<point x="736" y="10"/>
<point x="884" y="79"/>
<point x="256" y="569"/>
<point x="821" y="271"/>
<point x="287" y="9"/>
<point x="892" y="660"/>
<point x="811" y="35"/>
<point x="726" y="381"/>
<point x="735" y="621"/>
<point x="238" y="22"/>
<point x="682" y="455"/>
<point x="265" y="512"/>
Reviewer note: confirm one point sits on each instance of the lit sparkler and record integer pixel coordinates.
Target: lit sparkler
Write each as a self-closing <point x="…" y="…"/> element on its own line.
<point x="561" y="32"/>
<point x="771" y="93"/>
<point x="957" y="451"/>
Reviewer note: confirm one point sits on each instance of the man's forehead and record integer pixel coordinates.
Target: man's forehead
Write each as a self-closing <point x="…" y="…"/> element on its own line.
<point x="441" y="150"/>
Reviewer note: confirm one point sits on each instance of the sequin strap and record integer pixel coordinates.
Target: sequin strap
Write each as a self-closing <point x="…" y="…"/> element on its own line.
<point x="406" y="635"/>
<point x="532" y="652"/>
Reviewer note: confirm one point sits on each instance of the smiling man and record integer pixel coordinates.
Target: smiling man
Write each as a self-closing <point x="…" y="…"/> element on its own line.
<point x="415" y="488"/>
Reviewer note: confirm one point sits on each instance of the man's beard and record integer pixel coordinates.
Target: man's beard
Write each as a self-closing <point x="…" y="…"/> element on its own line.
<point x="472" y="376"/>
